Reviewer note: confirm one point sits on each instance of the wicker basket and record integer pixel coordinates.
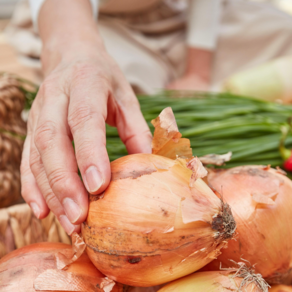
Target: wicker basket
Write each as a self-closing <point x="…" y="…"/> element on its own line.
<point x="19" y="227"/>
<point x="12" y="130"/>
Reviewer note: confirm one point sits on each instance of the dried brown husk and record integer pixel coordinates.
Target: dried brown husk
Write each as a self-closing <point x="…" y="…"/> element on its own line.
<point x="157" y="221"/>
<point x="260" y="198"/>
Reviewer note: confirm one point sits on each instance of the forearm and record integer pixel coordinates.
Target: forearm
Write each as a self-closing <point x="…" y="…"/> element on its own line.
<point x="66" y="27"/>
<point x="199" y="63"/>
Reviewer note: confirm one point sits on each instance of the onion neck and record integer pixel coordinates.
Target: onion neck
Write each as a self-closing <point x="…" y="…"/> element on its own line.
<point x="223" y="223"/>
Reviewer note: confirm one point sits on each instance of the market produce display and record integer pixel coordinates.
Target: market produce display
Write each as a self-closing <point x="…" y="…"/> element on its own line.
<point x="166" y="219"/>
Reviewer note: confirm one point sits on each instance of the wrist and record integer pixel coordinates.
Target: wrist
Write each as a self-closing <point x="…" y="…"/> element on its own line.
<point x="67" y="32"/>
<point x="199" y="63"/>
<point x="66" y="49"/>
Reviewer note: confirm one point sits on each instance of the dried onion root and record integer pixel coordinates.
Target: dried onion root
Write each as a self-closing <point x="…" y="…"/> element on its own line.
<point x="52" y="267"/>
<point x="158" y="220"/>
<point x="241" y="278"/>
<point x="260" y="198"/>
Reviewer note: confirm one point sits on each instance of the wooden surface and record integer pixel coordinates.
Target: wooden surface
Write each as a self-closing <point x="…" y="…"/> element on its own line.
<point x="9" y="61"/>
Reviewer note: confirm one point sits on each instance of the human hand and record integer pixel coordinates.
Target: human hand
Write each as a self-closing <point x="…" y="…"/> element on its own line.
<point x="189" y="82"/>
<point x="83" y="90"/>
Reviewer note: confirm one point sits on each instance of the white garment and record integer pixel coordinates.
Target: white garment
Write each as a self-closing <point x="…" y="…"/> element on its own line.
<point x="203" y="20"/>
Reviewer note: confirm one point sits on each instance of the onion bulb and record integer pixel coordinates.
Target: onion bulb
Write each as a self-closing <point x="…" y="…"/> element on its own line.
<point x="261" y="203"/>
<point x="157" y="220"/>
<point x="42" y="267"/>
<point x="241" y="278"/>
<point x="281" y="288"/>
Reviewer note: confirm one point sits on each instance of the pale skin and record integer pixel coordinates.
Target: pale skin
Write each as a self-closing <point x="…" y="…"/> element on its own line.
<point x="83" y="89"/>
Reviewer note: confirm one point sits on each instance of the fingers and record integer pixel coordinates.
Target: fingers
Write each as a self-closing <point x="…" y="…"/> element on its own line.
<point x="130" y="122"/>
<point x="86" y="118"/>
<point x="29" y="188"/>
<point x="55" y="148"/>
<point x="51" y="200"/>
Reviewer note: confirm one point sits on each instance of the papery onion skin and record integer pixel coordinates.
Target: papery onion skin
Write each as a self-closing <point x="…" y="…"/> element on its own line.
<point x="135" y="231"/>
<point x="261" y="202"/>
<point x="281" y="288"/>
<point x="209" y="282"/>
<point x="20" y="268"/>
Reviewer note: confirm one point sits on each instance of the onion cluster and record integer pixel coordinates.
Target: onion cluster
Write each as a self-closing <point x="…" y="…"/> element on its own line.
<point x="158" y="220"/>
<point x="163" y="217"/>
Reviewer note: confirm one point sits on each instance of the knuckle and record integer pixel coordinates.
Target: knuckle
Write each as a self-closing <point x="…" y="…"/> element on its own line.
<point x="129" y="100"/>
<point x="58" y="181"/>
<point x="46" y="88"/>
<point x="44" y="135"/>
<point x="85" y="150"/>
<point x="78" y="117"/>
<point x="84" y="72"/>
<point x="34" y="162"/>
<point x="81" y="115"/>
<point x="50" y="199"/>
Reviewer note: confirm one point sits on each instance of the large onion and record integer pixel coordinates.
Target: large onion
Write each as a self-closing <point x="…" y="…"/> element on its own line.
<point x="35" y="268"/>
<point x="241" y="278"/>
<point x="157" y="221"/>
<point x="281" y="288"/>
<point x="261" y="202"/>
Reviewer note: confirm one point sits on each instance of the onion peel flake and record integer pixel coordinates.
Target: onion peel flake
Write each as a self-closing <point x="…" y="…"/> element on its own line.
<point x="216" y="159"/>
<point x="199" y="171"/>
<point x="262" y="199"/>
<point x="107" y="284"/>
<point x="167" y="139"/>
<point x="78" y="247"/>
<point x="58" y="280"/>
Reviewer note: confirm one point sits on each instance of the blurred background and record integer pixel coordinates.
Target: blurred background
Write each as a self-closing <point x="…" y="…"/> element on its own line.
<point x="12" y="62"/>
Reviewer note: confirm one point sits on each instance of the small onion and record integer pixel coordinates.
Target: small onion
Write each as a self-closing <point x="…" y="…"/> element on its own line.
<point x="281" y="288"/>
<point x="241" y="278"/>
<point x="261" y="202"/>
<point x="158" y="220"/>
<point x="34" y="268"/>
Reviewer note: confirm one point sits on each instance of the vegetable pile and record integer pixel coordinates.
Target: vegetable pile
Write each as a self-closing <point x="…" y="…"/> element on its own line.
<point x="163" y="217"/>
<point x="167" y="220"/>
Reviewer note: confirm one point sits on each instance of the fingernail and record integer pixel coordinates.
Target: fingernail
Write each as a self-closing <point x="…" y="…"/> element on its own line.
<point x="36" y="210"/>
<point x="93" y="180"/>
<point x="72" y="210"/>
<point x="69" y="228"/>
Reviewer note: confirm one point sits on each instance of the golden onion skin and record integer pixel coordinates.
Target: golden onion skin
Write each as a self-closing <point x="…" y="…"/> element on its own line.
<point x="281" y="288"/>
<point x="149" y="227"/>
<point x="20" y="269"/>
<point x="210" y="282"/>
<point x="261" y="202"/>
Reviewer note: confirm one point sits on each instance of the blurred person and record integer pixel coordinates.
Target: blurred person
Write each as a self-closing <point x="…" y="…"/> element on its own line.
<point x="88" y="67"/>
